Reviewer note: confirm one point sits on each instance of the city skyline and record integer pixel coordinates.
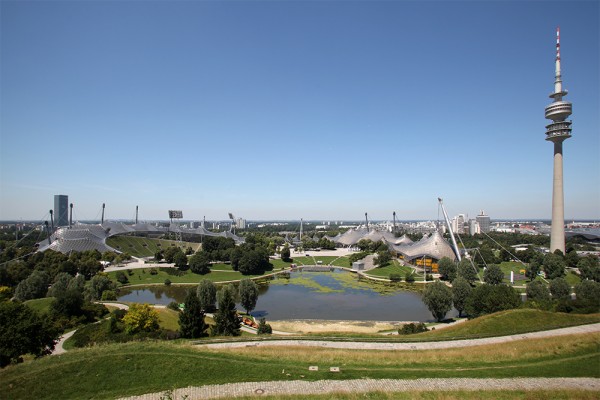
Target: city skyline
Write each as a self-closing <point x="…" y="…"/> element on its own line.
<point x="314" y="110"/>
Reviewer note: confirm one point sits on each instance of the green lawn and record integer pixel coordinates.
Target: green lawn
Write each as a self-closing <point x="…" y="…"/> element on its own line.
<point x="393" y="268"/>
<point x="40" y="305"/>
<point x="168" y="319"/>
<point x="111" y="371"/>
<point x="145" y="247"/>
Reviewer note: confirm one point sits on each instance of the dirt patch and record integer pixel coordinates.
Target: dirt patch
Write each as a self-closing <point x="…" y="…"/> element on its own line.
<point x="321" y="326"/>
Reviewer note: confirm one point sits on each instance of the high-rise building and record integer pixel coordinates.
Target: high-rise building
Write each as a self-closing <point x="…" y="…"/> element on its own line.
<point x="557" y="132"/>
<point x="61" y="210"/>
<point x="474" y="227"/>
<point x="484" y="222"/>
<point x="240" y="223"/>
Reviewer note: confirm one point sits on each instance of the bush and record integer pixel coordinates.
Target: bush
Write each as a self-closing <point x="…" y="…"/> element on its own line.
<point x="153" y="271"/>
<point x="122" y="278"/>
<point x="140" y="318"/>
<point x="167" y="282"/>
<point x="395" y="277"/>
<point x="109" y="295"/>
<point x="409" y="329"/>
<point x="410" y="278"/>
<point x="173" y="306"/>
<point x="264" y="328"/>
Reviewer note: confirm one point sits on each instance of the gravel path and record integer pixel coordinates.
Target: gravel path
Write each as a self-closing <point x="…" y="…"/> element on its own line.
<point x="232" y="390"/>
<point x="411" y="346"/>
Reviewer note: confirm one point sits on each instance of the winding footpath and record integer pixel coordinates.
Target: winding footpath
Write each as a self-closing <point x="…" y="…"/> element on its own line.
<point x="299" y="388"/>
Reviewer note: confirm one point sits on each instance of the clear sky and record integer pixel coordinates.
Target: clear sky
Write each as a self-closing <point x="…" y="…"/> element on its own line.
<point x="290" y="109"/>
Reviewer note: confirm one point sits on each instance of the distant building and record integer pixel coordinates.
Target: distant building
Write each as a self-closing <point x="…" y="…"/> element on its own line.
<point x="473" y="227"/>
<point x="61" y="210"/>
<point x="484" y="222"/>
<point x="240" y="223"/>
<point x="458" y="223"/>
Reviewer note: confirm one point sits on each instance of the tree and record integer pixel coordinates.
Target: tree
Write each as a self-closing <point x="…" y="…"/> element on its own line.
<point x="461" y="289"/>
<point x="121" y="277"/>
<point x="493" y="275"/>
<point x="487" y="299"/>
<point x="285" y="253"/>
<point x="264" y="328"/>
<point x="33" y="287"/>
<point x="589" y="268"/>
<point x="68" y="302"/>
<point x="531" y="272"/>
<point x="207" y="295"/>
<point x="170" y="252"/>
<point x="140" y="318"/>
<point x="158" y="255"/>
<point x="253" y="262"/>
<point x="60" y="285"/>
<point x="226" y="320"/>
<point x="465" y="270"/>
<point x="447" y="269"/>
<point x="571" y="259"/>
<point x="438" y="298"/>
<point x="23" y="331"/>
<point x="560" y="288"/>
<point x="554" y="266"/>
<point x="588" y="291"/>
<point x="200" y="263"/>
<point x="97" y="285"/>
<point x="180" y="260"/>
<point x="191" y="319"/>
<point x="537" y="291"/>
<point x="383" y="258"/>
<point x="89" y="267"/>
<point x="248" y="292"/>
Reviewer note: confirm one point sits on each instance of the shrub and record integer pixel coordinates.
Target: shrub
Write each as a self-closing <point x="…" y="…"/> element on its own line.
<point x="140" y="317"/>
<point x="153" y="271"/>
<point x="409" y="329"/>
<point x="395" y="277"/>
<point x="264" y="328"/>
<point x="173" y="306"/>
<point x="109" y="295"/>
<point x="122" y="278"/>
<point x="167" y="282"/>
<point x="410" y="278"/>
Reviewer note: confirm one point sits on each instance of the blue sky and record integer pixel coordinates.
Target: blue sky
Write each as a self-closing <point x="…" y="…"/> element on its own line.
<point x="283" y="110"/>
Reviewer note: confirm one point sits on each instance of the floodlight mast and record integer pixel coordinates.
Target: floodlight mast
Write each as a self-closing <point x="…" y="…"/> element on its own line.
<point x="103" y="206"/>
<point x="450" y="229"/>
<point x="52" y="220"/>
<point x="71" y="216"/>
<point x="394" y="221"/>
<point x="367" y="221"/>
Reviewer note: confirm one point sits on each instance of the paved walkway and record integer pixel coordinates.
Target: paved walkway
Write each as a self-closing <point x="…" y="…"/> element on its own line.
<point x="233" y="390"/>
<point x="410" y="346"/>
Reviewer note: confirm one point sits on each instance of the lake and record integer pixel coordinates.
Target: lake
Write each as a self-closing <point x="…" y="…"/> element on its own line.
<point x="337" y="295"/>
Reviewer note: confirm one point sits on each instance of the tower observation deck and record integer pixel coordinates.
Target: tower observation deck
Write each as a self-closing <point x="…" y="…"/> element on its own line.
<point x="557" y="132"/>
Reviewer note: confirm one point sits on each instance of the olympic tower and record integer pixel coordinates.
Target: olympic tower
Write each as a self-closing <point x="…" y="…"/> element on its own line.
<point x="557" y="132"/>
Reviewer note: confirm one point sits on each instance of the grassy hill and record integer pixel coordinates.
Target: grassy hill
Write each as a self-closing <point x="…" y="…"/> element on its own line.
<point x="110" y="371"/>
<point x="145" y="247"/>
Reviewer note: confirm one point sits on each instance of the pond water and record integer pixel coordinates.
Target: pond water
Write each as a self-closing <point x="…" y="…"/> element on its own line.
<point x="337" y="295"/>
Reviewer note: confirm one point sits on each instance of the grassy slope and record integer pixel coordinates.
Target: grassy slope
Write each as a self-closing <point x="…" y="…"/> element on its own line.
<point x="40" y="305"/>
<point x="144" y="247"/>
<point x="446" y="395"/>
<point x="135" y="368"/>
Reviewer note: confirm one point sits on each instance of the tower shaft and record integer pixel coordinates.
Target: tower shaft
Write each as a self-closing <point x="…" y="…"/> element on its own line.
<point x="557" y="234"/>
